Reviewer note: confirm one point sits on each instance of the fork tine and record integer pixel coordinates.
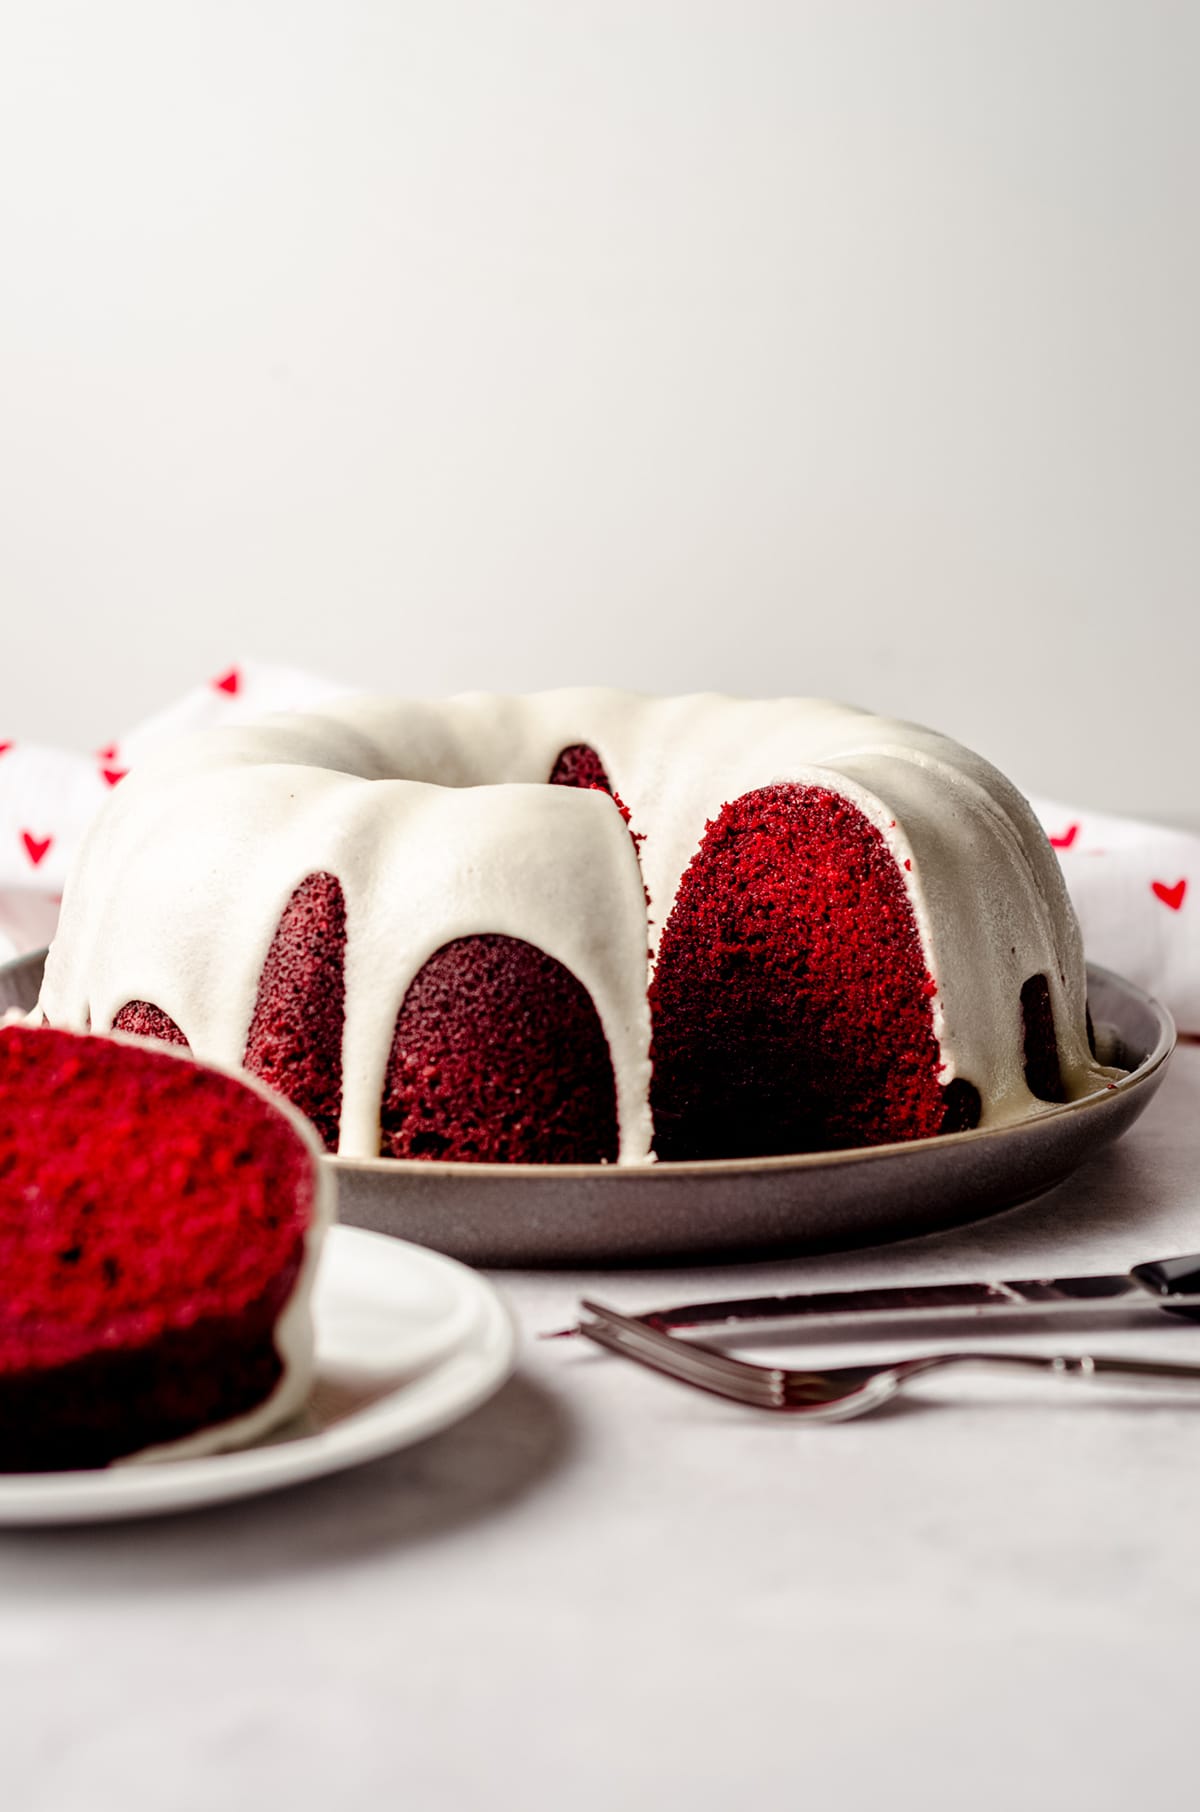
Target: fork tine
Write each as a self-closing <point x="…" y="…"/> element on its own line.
<point x="667" y="1365"/>
<point x="656" y="1340"/>
<point x="691" y="1362"/>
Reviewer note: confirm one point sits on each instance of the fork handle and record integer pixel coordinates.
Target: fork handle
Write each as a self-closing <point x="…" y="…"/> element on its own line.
<point x="1131" y="1371"/>
<point x="1085" y="1366"/>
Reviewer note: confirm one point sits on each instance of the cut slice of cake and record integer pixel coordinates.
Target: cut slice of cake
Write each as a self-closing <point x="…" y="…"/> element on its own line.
<point x="160" y="1224"/>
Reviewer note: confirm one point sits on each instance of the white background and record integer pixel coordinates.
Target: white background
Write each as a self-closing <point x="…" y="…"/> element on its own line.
<point x="843" y="347"/>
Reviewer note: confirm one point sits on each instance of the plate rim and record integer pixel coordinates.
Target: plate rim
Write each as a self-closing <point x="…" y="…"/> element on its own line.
<point x="435" y="1397"/>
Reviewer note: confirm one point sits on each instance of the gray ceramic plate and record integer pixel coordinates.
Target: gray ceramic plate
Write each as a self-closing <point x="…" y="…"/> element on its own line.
<point x="572" y="1214"/>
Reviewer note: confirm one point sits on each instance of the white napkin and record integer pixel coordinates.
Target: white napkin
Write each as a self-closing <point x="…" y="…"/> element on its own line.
<point x="1136" y="886"/>
<point x="49" y="796"/>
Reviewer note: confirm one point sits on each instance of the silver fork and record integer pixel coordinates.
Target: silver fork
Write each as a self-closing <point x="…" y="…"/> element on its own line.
<point x="841" y="1391"/>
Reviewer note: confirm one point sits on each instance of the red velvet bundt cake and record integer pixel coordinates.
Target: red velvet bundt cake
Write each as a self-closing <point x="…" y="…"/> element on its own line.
<point x="587" y="926"/>
<point x="159" y="1227"/>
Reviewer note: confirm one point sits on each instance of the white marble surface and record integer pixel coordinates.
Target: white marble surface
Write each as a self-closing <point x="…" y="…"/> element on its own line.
<point x="604" y="1591"/>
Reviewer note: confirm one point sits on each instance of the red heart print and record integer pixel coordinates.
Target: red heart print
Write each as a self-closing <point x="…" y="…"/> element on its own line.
<point x="107" y="754"/>
<point x="1170" y="896"/>
<point x="35" y="847"/>
<point x="112" y="775"/>
<point x="1068" y="837"/>
<point x="5" y="747"/>
<point x="230" y="682"/>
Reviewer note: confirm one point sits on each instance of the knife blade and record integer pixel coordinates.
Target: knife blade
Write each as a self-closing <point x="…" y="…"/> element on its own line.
<point x="1170" y="1283"/>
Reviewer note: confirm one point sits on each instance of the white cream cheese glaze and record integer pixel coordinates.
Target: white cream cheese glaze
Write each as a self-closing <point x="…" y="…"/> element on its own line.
<point x="436" y="819"/>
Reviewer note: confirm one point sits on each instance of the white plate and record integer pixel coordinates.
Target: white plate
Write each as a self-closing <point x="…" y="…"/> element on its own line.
<point x="407" y="1342"/>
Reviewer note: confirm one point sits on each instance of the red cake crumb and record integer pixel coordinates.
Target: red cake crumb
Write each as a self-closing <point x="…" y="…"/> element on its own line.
<point x="579" y="765"/>
<point x="146" y="1021"/>
<point x="792" y="1007"/>
<point x="498" y="1057"/>
<point x="295" y="1038"/>
<point x="152" y="1225"/>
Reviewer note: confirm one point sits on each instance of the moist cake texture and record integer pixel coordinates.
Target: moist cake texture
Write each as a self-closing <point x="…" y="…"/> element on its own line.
<point x="159" y="1224"/>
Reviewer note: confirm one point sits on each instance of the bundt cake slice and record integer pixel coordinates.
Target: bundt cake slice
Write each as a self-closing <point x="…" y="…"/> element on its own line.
<point x="159" y="1228"/>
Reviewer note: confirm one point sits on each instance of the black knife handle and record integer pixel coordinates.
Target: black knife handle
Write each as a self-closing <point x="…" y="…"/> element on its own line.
<point x="1167" y="1277"/>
